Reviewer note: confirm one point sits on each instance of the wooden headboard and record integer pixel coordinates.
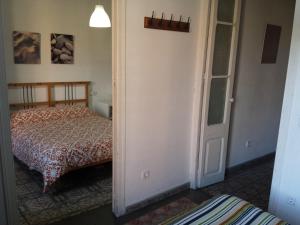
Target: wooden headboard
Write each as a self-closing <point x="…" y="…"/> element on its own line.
<point x="28" y="98"/>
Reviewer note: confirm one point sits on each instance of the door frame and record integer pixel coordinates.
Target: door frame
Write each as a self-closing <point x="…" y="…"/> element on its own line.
<point x="204" y="22"/>
<point x="7" y="172"/>
<point x="119" y="104"/>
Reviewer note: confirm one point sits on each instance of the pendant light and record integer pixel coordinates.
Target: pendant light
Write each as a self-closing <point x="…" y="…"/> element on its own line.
<point x="99" y="18"/>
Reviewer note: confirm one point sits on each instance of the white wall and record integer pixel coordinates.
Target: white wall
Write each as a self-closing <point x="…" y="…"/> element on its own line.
<point x="92" y="46"/>
<point x="259" y="87"/>
<point x="159" y="93"/>
<point x="286" y="182"/>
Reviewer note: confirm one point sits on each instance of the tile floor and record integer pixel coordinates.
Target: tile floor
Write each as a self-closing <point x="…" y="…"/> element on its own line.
<point x="252" y="183"/>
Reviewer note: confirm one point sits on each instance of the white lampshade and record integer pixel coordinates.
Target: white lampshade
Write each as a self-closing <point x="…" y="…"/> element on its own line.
<point x="99" y="18"/>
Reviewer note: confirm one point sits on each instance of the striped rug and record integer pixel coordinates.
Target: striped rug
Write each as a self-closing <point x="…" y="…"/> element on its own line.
<point x="226" y="210"/>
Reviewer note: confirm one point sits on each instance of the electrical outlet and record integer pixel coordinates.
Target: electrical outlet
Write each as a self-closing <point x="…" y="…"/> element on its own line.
<point x="249" y="144"/>
<point x="298" y="122"/>
<point x="291" y="202"/>
<point x="145" y="174"/>
<point x="94" y="93"/>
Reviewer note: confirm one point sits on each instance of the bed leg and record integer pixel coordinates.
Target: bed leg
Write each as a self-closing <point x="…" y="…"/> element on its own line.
<point x="45" y="189"/>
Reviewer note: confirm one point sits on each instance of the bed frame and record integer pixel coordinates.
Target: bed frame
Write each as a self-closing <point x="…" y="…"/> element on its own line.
<point x="69" y="98"/>
<point x="28" y="98"/>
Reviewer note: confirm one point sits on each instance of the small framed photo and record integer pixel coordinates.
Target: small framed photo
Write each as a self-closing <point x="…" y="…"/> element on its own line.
<point x="62" y="49"/>
<point x="271" y="44"/>
<point x="27" y="47"/>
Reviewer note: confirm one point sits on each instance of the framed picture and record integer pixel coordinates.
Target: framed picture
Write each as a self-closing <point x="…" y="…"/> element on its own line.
<point x="27" y="47"/>
<point x="271" y="44"/>
<point x="62" y="49"/>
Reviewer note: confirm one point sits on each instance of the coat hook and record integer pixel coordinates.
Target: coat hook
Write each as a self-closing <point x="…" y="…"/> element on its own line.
<point x="162" y="17"/>
<point x="188" y="22"/>
<point x="179" y="21"/>
<point x="152" y="16"/>
<point x="171" y="20"/>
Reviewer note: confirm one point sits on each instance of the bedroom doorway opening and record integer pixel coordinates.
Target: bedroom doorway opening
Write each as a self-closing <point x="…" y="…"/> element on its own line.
<point x="59" y="79"/>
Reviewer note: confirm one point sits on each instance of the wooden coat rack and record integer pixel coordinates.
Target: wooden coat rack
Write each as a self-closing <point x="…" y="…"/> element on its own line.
<point x="163" y="24"/>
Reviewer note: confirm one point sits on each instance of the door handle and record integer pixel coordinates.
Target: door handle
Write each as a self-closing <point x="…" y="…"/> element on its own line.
<point x="231" y="100"/>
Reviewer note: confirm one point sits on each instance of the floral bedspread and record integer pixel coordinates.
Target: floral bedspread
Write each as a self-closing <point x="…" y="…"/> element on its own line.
<point x="55" y="141"/>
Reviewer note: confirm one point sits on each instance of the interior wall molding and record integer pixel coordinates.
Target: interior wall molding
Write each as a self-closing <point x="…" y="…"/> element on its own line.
<point x="7" y="173"/>
<point x="249" y="164"/>
<point x="119" y="105"/>
<point x="203" y="30"/>
<point x="157" y="198"/>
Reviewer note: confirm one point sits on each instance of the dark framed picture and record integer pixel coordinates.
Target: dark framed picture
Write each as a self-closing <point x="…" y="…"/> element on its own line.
<point x="271" y="44"/>
<point x="62" y="49"/>
<point x="27" y="47"/>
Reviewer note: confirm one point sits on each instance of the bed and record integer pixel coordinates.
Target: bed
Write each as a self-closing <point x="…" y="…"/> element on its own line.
<point x="226" y="210"/>
<point x="61" y="138"/>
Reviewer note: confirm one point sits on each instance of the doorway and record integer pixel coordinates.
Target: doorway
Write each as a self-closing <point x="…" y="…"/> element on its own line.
<point x="10" y="187"/>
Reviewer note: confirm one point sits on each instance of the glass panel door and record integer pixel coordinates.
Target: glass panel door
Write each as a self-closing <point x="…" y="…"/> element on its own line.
<point x="226" y="10"/>
<point x="221" y="61"/>
<point x="222" y="50"/>
<point x="217" y="92"/>
<point x="217" y="101"/>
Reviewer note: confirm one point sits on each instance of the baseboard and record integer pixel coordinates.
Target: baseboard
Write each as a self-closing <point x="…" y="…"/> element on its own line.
<point x="186" y="186"/>
<point x="157" y="198"/>
<point x="250" y="163"/>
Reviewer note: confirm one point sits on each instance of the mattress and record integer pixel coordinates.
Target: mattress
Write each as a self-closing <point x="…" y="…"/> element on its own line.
<point x="226" y="210"/>
<point x="55" y="141"/>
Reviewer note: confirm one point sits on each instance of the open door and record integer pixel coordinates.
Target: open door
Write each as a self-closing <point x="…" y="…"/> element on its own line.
<point x="218" y="86"/>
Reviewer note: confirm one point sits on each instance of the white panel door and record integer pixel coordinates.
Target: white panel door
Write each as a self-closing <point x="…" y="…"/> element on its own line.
<point x="218" y="85"/>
